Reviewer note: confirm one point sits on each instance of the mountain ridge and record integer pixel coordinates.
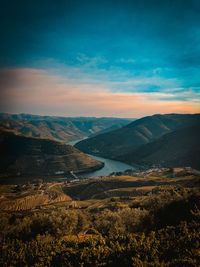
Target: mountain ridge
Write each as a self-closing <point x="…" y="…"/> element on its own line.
<point x="24" y="155"/>
<point x="135" y="134"/>
<point x="176" y="149"/>
<point x="58" y="128"/>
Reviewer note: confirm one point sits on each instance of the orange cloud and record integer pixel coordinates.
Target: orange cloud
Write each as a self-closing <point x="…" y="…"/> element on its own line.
<point x="36" y="91"/>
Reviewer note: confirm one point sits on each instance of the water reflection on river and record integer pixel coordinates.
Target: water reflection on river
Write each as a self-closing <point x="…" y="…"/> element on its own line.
<point x="109" y="165"/>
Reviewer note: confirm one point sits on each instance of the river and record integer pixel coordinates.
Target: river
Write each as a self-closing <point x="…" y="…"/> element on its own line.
<point x="109" y="165"/>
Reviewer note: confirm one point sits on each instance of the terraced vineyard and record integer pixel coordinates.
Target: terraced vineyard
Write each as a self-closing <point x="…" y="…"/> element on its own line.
<point x="31" y="197"/>
<point x="97" y="193"/>
<point x="127" y="219"/>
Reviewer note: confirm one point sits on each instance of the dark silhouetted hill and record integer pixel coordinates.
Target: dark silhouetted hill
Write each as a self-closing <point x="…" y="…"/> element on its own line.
<point x="112" y="128"/>
<point x="135" y="134"/>
<point x="23" y="155"/>
<point x="177" y="149"/>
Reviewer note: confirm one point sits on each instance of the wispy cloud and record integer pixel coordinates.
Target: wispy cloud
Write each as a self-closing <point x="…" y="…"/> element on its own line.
<point x="91" y="61"/>
<point x="124" y="60"/>
<point x="38" y="91"/>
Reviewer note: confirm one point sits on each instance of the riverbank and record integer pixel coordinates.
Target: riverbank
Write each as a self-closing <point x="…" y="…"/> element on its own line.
<point x="109" y="167"/>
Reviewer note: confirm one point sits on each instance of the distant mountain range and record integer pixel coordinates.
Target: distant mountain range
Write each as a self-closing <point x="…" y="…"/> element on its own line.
<point x="24" y="155"/>
<point x="164" y="140"/>
<point x="125" y="143"/>
<point x="65" y="129"/>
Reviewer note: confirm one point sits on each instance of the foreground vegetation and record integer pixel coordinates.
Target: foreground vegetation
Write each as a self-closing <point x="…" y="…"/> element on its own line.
<point x="160" y="227"/>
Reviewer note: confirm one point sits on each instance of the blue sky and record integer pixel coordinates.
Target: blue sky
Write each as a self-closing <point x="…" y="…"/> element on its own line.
<point x="145" y="53"/>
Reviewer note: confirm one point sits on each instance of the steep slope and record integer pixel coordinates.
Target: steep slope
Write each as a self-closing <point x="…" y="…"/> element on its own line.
<point x="58" y="128"/>
<point x="135" y="134"/>
<point x="63" y="131"/>
<point x="109" y="129"/>
<point x="177" y="149"/>
<point x="23" y="155"/>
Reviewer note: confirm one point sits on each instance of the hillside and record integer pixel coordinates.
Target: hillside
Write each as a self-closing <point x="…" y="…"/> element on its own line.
<point x="91" y="194"/>
<point x="135" y="134"/>
<point x="112" y="128"/>
<point x="30" y="196"/>
<point x="123" y="221"/>
<point x="23" y="155"/>
<point x="58" y="128"/>
<point x="179" y="148"/>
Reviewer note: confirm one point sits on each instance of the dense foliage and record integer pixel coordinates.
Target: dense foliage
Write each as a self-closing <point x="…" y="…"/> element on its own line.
<point x="163" y="230"/>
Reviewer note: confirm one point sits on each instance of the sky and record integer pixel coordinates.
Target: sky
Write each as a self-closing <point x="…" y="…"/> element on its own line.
<point x="111" y="58"/>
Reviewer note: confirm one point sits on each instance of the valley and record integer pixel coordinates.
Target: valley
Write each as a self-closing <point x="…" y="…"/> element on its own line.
<point x="109" y="165"/>
<point x="163" y="140"/>
<point x="121" y="205"/>
<point x="100" y="133"/>
<point x="63" y="129"/>
<point x="158" y="140"/>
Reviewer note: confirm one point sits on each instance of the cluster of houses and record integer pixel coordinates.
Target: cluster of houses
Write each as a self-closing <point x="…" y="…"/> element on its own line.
<point x="70" y="177"/>
<point x="173" y="172"/>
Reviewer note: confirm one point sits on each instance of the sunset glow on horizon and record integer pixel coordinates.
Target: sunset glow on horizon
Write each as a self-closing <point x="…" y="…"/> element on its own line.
<point x="100" y="58"/>
<point x="34" y="91"/>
